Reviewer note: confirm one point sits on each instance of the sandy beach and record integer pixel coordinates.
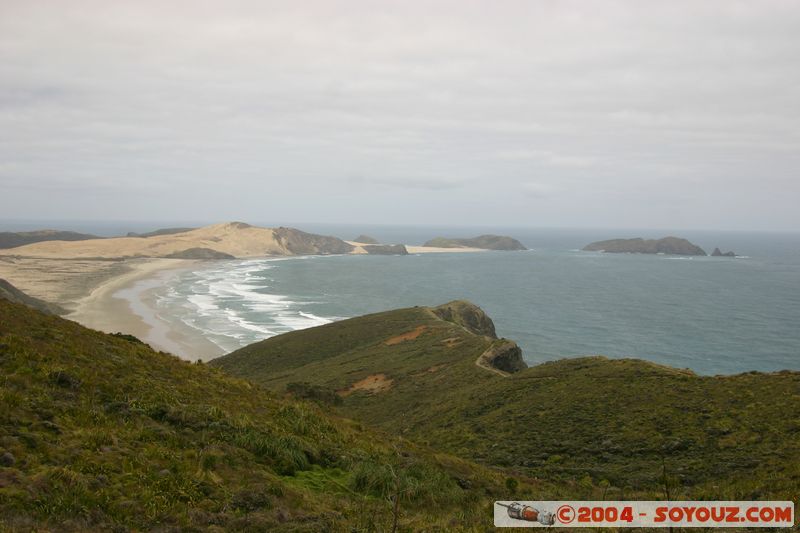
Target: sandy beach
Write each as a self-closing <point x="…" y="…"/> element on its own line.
<point x="435" y="250"/>
<point x="413" y="249"/>
<point x="127" y="304"/>
<point x="110" y="296"/>
<point x="110" y="284"/>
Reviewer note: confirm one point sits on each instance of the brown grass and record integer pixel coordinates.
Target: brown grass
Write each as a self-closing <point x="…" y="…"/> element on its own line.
<point x="451" y="342"/>
<point x="372" y="384"/>
<point x="409" y="336"/>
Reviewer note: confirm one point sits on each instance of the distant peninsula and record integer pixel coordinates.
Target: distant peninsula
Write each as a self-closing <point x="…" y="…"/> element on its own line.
<point x="10" y="239"/>
<point x="667" y="245"/>
<point x="483" y="242"/>
<point x="366" y="239"/>
<point x="159" y="232"/>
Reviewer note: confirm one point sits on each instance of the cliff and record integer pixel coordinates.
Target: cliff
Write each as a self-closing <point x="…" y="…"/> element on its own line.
<point x="718" y="253"/>
<point x="467" y="315"/>
<point x="504" y="356"/>
<point x="385" y="249"/>
<point x="301" y="243"/>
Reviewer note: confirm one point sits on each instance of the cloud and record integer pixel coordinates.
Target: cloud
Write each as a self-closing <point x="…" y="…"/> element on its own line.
<point x="425" y="183"/>
<point x="608" y="102"/>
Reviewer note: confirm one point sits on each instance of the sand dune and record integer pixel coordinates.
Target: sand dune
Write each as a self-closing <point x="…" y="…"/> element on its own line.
<point x="90" y="278"/>
<point x="233" y="238"/>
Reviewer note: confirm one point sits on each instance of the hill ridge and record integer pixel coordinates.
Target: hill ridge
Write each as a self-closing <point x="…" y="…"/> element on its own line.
<point x="615" y="421"/>
<point x="100" y="432"/>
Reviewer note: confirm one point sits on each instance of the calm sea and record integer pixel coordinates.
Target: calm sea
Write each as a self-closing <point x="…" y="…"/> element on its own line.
<point x="713" y="315"/>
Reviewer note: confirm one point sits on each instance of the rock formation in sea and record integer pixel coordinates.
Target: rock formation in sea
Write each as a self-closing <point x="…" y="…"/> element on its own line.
<point x="667" y="245"/>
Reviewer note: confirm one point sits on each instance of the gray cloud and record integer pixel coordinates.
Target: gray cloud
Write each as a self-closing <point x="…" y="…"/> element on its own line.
<point x="656" y="114"/>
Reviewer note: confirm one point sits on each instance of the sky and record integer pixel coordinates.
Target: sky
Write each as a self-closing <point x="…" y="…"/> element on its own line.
<point x="643" y="114"/>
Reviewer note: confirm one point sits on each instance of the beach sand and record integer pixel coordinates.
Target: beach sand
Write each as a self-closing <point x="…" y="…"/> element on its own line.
<point x="435" y="250"/>
<point x="118" y="295"/>
<point x="111" y="296"/>
<point x="127" y="304"/>
<point x="359" y="249"/>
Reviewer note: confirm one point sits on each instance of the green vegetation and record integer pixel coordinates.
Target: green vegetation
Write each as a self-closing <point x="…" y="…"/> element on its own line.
<point x="100" y="432"/>
<point x="385" y="249"/>
<point x="667" y="245"/>
<point x="10" y="239"/>
<point x="11" y="293"/>
<point x="199" y="253"/>
<point x="301" y="243"/>
<point x="159" y="232"/>
<point x="366" y="239"/>
<point x="628" y="425"/>
<point x="485" y="242"/>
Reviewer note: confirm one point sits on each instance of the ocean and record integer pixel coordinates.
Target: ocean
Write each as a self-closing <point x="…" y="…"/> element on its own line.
<point x="711" y="315"/>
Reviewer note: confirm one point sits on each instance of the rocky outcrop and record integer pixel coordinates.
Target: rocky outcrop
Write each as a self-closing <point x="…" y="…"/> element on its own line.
<point x="13" y="294"/>
<point x="199" y="253"/>
<point x="366" y="239"/>
<point x="301" y="243"/>
<point x="467" y="315"/>
<point x="13" y="239"/>
<point x="385" y="249"/>
<point x="484" y="242"/>
<point x="718" y="253"/>
<point x="504" y="356"/>
<point x="667" y="245"/>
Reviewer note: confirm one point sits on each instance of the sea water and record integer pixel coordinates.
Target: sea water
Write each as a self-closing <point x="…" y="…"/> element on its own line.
<point x="714" y="315"/>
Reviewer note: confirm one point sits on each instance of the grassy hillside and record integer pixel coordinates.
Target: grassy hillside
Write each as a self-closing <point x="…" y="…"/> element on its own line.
<point x="626" y="424"/>
<point x="9" y="239"/>
<point x="99" y="432"/>
<point x="13" y="294"/>
<point x="159" y="232"/>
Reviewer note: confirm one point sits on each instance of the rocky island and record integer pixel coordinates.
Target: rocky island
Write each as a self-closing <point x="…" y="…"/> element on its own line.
<point x="483" y="242"/>
<point x="667" y="245"/>
<point x="385" y="249"/>
<point x="366" y="239"/>
<point x="719" y="253"/>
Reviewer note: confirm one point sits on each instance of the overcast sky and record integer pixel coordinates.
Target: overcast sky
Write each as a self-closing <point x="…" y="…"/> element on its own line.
<point x="646" y="114"/>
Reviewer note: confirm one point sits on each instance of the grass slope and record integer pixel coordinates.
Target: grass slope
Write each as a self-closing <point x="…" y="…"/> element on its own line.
<point x="10" y="239"/>
<point x="13" y="294"/>
<point x="628" y="425"/>
<point x="100" y="432"/>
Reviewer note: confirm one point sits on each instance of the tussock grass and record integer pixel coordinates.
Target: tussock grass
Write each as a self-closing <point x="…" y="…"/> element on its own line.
<point x="106" y="434"/>
<point x="595" y="426"/>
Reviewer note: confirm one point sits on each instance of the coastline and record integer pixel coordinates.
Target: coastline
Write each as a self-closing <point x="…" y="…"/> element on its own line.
<point x="127" y="304"/>
<point x="434" y="250"/>
<point x="119" y="295"/>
